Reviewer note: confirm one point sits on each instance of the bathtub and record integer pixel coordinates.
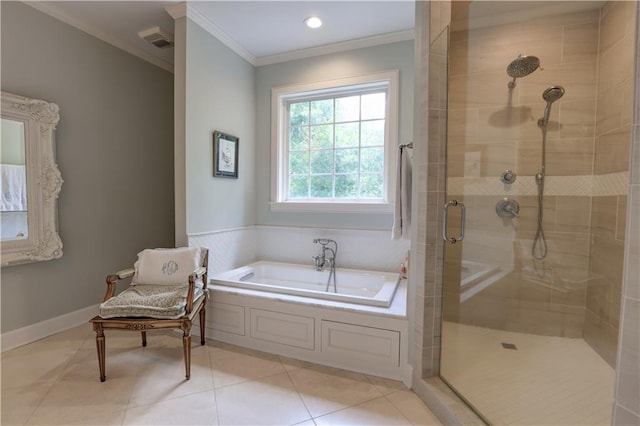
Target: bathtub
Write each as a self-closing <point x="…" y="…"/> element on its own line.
<point x="353" y="286"/>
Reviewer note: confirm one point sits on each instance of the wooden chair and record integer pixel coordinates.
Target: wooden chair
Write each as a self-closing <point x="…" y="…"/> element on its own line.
<point x="191" y="299"/>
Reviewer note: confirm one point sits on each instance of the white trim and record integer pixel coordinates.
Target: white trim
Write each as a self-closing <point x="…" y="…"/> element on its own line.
<point x="215" y="31"/>
<point x="280" y="94"/>
<point x="31" y="333"/>
<point x="334" y="207"/>
<point x="50" y="9"/>
<point x="343" y="46"/>
<point x="177" y="11"/>
<point x="221" y="231"/>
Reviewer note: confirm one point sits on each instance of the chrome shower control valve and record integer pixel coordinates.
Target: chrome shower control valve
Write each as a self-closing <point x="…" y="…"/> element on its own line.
<point x="508" y="207"/>
<point x="508" y="176"/>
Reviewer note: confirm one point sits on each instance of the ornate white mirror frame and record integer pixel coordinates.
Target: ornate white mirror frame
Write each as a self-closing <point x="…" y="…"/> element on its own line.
<point x="43" y="181"/>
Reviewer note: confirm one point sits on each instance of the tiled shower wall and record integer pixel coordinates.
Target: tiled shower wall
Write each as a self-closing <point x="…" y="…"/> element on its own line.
<point x="492" y="128"/>
<point x="609" y="210"/>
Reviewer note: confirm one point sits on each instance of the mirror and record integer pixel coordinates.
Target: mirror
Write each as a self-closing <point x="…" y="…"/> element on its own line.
<point x="13" y="178"/>
<point x="30" y="181"/>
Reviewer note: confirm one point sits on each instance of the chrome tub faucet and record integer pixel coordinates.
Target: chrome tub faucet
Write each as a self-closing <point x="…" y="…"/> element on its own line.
<point x="326" y="257"/>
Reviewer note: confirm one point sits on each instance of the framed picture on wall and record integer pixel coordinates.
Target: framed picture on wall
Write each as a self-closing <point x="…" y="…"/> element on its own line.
<point x="225" y="155"/>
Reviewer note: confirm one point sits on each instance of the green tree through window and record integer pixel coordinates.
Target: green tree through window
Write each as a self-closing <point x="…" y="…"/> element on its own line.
<point x="336" y="147"/>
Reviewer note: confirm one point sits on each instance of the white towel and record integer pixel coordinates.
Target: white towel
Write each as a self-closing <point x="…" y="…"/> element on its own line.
<point x="13" y="180"/>
<point x="402" y="211"/>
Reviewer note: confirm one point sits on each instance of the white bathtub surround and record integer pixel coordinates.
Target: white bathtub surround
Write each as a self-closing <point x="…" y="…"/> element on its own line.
<point x="366" y="339"/>
<point x="351" y="285"/>
<point x="228" y="248"/>
<point x="357" y="249"/>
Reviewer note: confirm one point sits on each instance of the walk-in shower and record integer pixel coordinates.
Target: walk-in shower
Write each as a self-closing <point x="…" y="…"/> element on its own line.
<point x="533" y="338"/>
<point x="539" y="246"/>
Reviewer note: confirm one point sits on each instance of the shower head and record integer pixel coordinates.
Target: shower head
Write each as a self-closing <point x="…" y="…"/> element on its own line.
<point x="550" y="95"/>
<point x="553" y="93"/>
<point x="522" y="66"/>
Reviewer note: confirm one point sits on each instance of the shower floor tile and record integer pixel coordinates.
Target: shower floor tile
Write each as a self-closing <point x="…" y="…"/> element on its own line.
<point x="543" y="381"/>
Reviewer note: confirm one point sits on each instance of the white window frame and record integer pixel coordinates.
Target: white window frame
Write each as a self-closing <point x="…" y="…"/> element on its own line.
<point x="280" y="96"/>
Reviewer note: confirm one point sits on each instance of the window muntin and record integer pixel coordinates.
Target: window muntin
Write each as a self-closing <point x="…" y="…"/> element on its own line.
<point x="333" y="144"/>
<point x="336" y="147"/>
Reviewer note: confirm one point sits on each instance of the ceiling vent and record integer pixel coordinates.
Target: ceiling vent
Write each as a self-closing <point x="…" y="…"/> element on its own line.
<point x="158" y="37"/>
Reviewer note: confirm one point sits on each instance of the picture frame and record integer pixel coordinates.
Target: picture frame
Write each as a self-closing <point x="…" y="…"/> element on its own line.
<point x="225" y="155"/>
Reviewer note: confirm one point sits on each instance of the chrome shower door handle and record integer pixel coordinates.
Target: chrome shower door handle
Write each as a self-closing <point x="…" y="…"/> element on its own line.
<point x="445" y="212"/>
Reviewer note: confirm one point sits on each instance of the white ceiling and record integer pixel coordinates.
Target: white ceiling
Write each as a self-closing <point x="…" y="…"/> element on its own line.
<point x="261" y="31"/>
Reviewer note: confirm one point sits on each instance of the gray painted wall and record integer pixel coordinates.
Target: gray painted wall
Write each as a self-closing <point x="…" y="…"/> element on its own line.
<point x="115" y="152"/>
<point x="327" y="67"/>
<point x="219" y="96"/>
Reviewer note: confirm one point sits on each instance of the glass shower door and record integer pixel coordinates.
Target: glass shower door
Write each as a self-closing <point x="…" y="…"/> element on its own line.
<point x="531" y="292"/>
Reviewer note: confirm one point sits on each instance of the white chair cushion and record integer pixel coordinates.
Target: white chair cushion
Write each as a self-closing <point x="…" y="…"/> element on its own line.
<point x="166" y="266"/>
<point x="154" y="301"/>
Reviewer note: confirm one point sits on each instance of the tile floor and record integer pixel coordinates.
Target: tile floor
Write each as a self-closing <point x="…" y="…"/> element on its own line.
<point x="545" y="381"/>
<point x="55" y="381"/>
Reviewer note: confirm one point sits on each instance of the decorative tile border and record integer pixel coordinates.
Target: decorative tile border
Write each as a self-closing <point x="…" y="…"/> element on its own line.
<point x="585" y="185"/>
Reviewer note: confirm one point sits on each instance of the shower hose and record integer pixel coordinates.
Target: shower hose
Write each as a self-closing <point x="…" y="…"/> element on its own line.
<point x="539" y="239"/>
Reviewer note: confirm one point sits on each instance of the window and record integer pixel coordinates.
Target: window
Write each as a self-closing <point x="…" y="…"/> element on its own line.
<point x="333" y="144"/>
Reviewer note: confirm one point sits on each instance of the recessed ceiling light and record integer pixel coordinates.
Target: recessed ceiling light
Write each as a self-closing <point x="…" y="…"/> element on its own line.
<point x="313" y="22"/>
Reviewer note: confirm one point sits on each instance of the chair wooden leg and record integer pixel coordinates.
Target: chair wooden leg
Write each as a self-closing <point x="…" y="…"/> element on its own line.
<point x="100" y="346"/>
<point x="203" y="315"/>
<point x="186" y="344"/>
<point x="144" y="338"/>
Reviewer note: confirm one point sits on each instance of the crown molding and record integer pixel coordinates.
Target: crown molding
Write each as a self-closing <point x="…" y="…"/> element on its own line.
<point x="177" y="10"/>
<point x="337" y="47"/>
<point x="215" y="31"/>
<point x="50" y="9"/>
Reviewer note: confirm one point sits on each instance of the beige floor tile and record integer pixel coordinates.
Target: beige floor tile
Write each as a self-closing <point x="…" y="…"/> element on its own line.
<point x="162" y="376"/>
<point x="195" y="409"/>
<point x="39" y="367"/>
<point x="56" y="381"/>
<point x="229" y="370"/>
<point x="220" y="350"/>
<point x="268" y="401"/>
<point x="84" y="402"/>
<point x="412" y="407"/>
<point x="306" y="423"/>
<point x="386" y="386"/>
<point x="18" y="404"/>
<point x="52" y="416"/>
<point x="375" y="412"/>
<point x="325" y="390"/>
<point x="120" y="363"/>
<point x="291" y="364"/>
<point x="69" y="340"/>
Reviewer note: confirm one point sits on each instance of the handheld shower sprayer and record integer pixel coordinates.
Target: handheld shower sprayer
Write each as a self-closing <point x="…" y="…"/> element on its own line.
<point x="550" y="95"/>
<point x="539" y="247"/>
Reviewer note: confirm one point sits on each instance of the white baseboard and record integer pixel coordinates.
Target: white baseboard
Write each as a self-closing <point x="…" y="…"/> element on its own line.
<point x="31" y="333"/>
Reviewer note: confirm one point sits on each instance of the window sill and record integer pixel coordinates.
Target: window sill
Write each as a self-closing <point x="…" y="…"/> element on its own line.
<point x="333" y="207"/>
